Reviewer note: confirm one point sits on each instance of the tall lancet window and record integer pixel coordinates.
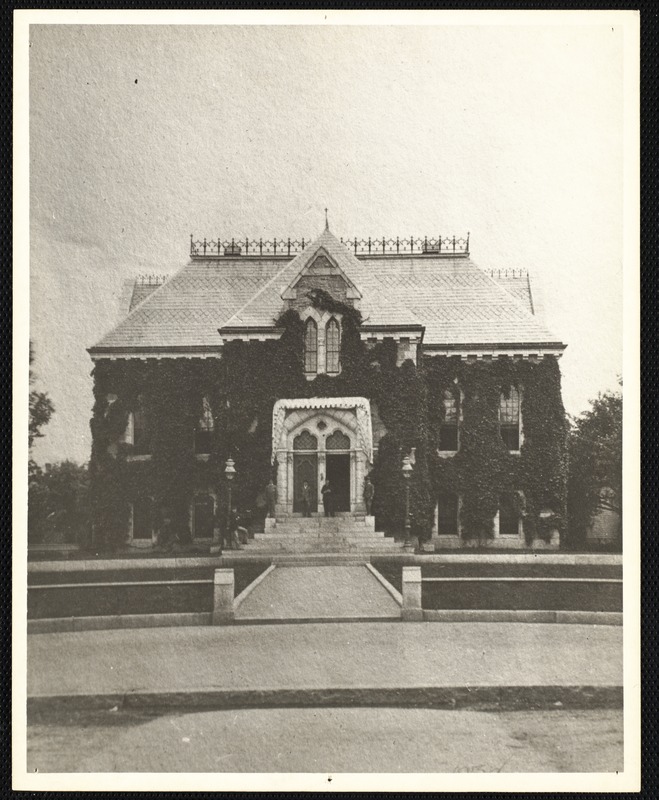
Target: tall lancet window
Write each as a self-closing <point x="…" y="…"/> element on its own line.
<point x="509" y="417"/>
<point x="203" y="437"/>
<point x="311" y="346"/>
<point x="332" y="346"/>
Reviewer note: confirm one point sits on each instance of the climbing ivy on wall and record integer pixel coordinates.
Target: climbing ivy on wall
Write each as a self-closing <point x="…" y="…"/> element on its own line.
<point x="483" y="468"/>
<point x="245" y="383"/>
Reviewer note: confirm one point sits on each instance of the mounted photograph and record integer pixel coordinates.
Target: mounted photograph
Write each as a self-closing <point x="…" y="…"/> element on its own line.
<point x="331" y="317"/>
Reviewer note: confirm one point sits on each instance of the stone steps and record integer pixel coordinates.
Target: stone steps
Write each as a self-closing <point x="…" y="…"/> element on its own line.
<point x="325" y="525"/>
<point x="325" y="535"/>
<point x="315" y="546"/>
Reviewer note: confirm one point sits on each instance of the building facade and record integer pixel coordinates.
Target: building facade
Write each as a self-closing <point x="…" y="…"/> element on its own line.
<point x="330" y="360"/>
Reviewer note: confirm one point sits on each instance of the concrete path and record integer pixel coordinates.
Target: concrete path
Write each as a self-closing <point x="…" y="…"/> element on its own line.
<point x="310" y="592"/>
<point x="320" y="656"/>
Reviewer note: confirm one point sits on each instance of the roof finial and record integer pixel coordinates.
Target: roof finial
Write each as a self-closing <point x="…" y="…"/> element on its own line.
<point x="326" y="221"/>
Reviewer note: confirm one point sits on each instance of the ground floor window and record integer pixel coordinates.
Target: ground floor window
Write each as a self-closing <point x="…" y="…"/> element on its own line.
<point x="203" y="516"/>
<point x="143" y="519"/>
<point x="447" y="514"/>
<point x="508" y="515"/>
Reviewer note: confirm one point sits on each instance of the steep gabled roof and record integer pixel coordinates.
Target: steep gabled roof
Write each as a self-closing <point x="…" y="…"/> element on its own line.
<point x="453" y="299"/>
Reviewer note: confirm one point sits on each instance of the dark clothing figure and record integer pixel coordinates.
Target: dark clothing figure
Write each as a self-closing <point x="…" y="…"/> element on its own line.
<point x="237" y="533"/>
<point x="306" y="499"/>
<point x="369" y="491"/>
<point x="327" y="499"/>
<point x="271" y="498"/>
<point x="166" y="537"/>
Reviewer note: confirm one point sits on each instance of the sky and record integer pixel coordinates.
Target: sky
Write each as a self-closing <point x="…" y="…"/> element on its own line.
<point x="141" y="135"/>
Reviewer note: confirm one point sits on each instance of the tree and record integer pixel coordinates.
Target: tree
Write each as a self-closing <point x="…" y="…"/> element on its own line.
<point x="41" y="407"/>
<point x="595" y="448"/>
<point x="58" y="503"/>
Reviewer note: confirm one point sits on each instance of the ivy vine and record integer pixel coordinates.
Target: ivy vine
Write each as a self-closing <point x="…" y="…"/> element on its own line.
<point x="243" y="386"/>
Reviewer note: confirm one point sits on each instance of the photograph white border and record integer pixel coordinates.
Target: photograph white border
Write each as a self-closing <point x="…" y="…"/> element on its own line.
<point x="629" y="779"/>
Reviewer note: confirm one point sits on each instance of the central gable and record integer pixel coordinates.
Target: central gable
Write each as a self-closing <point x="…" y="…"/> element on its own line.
<point x="321" y="271"/>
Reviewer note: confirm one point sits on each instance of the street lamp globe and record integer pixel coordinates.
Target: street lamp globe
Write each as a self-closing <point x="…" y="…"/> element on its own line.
<point x="229" y="469"/>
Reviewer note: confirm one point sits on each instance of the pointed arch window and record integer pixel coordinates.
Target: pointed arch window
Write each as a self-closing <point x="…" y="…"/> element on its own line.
<point x="448" y="432"/>
<point x="141" y="434"/>
<point x="138" y="429"/>
<point x="332" y="346"/>
<point x="311" y="346"/>
<point x="509" y="418"/>
<point x="204" y="429"/>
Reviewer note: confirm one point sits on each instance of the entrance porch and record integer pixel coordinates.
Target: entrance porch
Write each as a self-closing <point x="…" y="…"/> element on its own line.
<point x="318" y="439"/>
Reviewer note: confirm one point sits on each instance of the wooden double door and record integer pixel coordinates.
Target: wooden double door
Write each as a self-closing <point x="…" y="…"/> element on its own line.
<point x="336" y="455"/>
<point x="305" y="467"/>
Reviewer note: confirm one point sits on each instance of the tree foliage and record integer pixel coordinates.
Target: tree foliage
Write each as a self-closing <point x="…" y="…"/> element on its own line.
<point x="41" y="407"/>
<point x="595" y="448"/>
<point x="58" y="503"/>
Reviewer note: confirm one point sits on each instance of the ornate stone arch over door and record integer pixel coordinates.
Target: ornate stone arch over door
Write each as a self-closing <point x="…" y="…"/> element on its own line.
<point x="341" y="426"/>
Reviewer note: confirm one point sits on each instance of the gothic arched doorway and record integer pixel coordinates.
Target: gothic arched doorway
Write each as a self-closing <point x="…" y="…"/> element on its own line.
<point x="305" y="468"/>
<point x="337" y="463"/>
<point x="316" y="438"/>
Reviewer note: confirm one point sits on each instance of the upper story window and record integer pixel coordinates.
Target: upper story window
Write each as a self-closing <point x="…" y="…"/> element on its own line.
<point x="137" y="433"/>
<point x="332" y="346"/>
<point x="203" y="436"/>
<point x="311" y="346"/>
<point x="448" y="432"/>
<point x="509" y="418"/>
<point x="141" y="433"/>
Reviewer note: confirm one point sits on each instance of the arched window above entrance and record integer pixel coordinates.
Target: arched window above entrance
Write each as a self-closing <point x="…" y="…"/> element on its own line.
<point x="332" y="346"/>
<point x="337" y="441"/>
<point x="305" y="441"/>
<point x="311" y="346"/>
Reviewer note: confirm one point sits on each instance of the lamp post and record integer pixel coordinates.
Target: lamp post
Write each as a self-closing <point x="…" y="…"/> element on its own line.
<point x="229" y="472"/>
<point x="407" y="474"/>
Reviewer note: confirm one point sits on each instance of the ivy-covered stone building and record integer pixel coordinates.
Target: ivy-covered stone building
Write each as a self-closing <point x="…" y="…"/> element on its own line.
<point x="331" y="359"/>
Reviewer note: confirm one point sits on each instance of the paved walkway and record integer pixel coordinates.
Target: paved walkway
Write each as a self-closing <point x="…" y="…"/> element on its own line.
<point x="323" y="656"/>
<point x="347" y="592"/>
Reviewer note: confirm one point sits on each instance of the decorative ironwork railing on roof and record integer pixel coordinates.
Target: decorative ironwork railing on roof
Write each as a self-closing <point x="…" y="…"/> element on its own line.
<point x="413" y="246"/>
<point x="151" y="280"/>
<point x="285" y="248"/>
<point x="508" y="273"/>
<point x="206" y="248"/>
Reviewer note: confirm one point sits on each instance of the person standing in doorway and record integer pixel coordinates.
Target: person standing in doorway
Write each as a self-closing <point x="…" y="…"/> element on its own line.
<point x="306" y="499"/>
<point x="271" y="497"/>
<point x="326" y="491"/>
<point x="369" y="491"/>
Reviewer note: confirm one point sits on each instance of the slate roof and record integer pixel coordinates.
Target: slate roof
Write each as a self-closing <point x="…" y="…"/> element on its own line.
<point x="517" y="283"/>
<point x="456" y="301"/>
